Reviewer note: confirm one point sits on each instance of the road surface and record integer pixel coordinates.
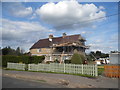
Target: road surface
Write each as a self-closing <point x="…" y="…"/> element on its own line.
<point x="9" y="82"/>
<point x="61" y="79"/>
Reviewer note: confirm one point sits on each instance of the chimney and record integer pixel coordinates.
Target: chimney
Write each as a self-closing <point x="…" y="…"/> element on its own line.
<point x="50" y="37"/>
<point x="64" y="35"/>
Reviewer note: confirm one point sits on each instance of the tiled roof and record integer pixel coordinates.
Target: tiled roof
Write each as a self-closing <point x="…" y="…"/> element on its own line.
<point x="43" y="43"/>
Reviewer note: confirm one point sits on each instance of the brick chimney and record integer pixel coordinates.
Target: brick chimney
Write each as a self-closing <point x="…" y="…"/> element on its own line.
<point x="50" y="37"/>
<point x="64" y="35"/>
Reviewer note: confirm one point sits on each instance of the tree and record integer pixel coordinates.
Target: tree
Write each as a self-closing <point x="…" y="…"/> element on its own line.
<point x="77" y="58"/>
<point x="9" y="51"/>
<point x="5" y="51"/>
<point x="0" y="51"/>
<point x="97" y="54"/>
<point x="18" y="52"/>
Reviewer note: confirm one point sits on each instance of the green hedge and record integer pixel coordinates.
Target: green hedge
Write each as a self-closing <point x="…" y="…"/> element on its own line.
<point x="21" y="59"/>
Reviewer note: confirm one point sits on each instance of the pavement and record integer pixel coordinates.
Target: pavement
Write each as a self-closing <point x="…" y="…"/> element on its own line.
<point x="63" y="80"/>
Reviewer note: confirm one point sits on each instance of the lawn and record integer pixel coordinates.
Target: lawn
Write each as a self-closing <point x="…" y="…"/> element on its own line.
<point x="100" y="69"/>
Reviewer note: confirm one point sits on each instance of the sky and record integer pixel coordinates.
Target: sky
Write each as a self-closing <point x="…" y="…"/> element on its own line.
<point x="24" y="23"/>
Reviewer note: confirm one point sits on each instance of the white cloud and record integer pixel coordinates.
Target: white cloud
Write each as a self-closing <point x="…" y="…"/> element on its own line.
<point x="22" y="33"/>
<point x="102" y="44"/>
<point x="23" y="13"/>
<point x="101" y="7"/>
<point x="103" y="47"/>
<point x="69" y="13"/>
<point x="83" y="32"/>
<point x="17" y="9"/>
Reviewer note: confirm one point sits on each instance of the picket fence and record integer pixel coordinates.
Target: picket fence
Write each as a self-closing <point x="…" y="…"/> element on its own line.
<point x="56" y="67"/>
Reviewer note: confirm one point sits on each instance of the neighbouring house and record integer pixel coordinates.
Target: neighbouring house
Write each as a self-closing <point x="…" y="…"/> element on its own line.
<point x="102" y="61"/>
<point x="114" y="58"/>
<point x="60" y="48"/>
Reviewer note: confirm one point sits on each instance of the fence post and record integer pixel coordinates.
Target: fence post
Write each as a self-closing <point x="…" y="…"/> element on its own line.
<point x="64" y="67"/>
<point x="26" y="67"/>
<point x="96" y="70"/>
<point x="82" y="68"/>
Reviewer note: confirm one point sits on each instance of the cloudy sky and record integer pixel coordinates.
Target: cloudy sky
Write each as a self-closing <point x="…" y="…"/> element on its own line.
<point x="23" y="24"/>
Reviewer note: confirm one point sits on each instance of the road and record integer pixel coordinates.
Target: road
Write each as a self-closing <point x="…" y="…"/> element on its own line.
<point x="9" y="82"/>
<point x="61" y="79"/>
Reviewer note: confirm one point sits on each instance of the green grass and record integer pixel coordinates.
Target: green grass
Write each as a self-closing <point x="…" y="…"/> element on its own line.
<point x="83" y="75"/>
<point x="100" y="69"/>
<point x="12" y="69"/>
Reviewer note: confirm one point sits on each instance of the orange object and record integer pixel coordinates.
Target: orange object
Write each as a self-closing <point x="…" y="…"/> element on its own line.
<point x="112" y="71"/>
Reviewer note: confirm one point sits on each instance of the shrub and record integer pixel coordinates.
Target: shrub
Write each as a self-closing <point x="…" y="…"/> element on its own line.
<point x="56" y="61"/>
<point x="67" y="61"/>
<point x="21" y="59"/>
<point x="77" y="58"/>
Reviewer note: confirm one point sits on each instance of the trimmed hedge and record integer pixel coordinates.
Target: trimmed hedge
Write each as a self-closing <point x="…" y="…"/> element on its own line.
<point x="21" y="59"/>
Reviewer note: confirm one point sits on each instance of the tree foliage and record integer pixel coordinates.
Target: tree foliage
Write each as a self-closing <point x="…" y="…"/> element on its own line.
<point x="98" y="54"/>
<point x="10" y="51"/>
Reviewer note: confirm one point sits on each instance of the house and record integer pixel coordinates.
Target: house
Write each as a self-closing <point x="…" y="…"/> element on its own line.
<point x="59" y="48"/>
<point x="114" y="58"/>
<point x="102" y="61"/>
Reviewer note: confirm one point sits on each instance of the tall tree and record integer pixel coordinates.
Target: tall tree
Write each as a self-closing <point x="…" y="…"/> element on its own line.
<point x="18" y="51"/>
<point x="9" y="51"/>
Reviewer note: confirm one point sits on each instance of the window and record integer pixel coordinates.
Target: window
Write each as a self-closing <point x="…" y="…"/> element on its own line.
<point x="38" y="50"/>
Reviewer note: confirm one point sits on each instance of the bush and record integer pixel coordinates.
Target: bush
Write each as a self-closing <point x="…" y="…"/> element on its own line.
<point x="77" y="58"/>
<point x="56" y="61"/>
<point x="67" y="61"/>
<point x="21" y="59"/>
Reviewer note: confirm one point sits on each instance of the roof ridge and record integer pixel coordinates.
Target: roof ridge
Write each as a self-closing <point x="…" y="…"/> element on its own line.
<point x="45" y="42"/>
<point x="61" y="36"/>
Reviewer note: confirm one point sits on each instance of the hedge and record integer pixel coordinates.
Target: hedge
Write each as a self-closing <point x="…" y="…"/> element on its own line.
<point x="21" y="59"/>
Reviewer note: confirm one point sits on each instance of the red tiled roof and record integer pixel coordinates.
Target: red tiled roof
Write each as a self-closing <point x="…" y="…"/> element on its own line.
<point x="43" y="43"/>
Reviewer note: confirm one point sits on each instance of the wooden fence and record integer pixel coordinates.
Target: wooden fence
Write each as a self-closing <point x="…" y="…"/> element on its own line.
<point x="112" y="71"/>
<point x="63" y="68"/>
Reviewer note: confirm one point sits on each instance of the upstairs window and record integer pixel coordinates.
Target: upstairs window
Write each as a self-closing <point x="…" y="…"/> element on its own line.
<point x="38" y="50"/>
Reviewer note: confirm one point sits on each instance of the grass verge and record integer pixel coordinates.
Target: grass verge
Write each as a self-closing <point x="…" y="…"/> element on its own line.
<point x="100" y="69"/>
